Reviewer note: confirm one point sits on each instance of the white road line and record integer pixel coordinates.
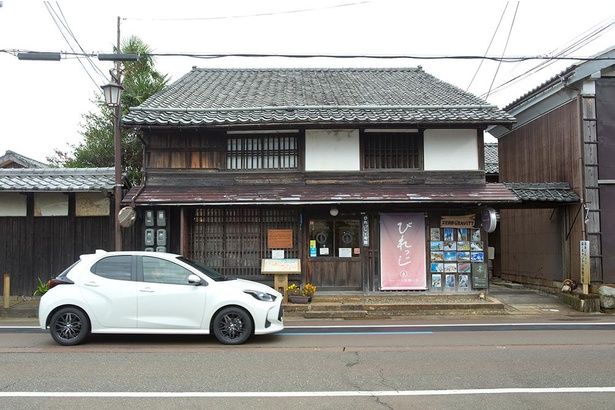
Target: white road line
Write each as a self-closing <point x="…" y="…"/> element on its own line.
<point x="312" y="394"/>
<point x="444" y="325"/>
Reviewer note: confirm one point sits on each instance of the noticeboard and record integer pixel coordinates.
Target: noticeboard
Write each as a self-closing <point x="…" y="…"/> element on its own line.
<point x="279" y="238"/>
<point x="273" y="266"/>
<point x="479" y="275"/>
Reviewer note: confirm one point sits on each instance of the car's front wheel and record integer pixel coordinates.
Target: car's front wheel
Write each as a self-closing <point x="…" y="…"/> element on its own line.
<point x="69" y="326"/>
<point x="232" y="326"/>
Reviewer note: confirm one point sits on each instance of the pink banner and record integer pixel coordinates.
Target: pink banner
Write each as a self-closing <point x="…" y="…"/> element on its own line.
<point x="402" y="250"/>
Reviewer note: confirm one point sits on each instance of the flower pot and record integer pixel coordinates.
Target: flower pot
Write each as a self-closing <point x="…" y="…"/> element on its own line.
<point x="299" y="299"/>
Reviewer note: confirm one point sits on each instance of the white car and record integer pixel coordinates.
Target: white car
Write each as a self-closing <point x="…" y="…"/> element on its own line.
<point x="155" y="293"/>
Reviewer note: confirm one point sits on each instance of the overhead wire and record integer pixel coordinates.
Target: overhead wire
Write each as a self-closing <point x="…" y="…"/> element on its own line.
<point x="512" y="24"/>
<point x="56" y="19"/>
<point x="576" y="44"/>
<point x="489" y="46"/>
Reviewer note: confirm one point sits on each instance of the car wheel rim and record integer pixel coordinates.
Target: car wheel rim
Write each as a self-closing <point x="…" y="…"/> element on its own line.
<point x="68" y="326"/>
<point x="232" y="326"/>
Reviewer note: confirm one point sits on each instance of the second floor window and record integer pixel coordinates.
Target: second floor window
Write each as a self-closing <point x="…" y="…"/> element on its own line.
<point x="392" y="150"/>
<point x="273" y="151"/>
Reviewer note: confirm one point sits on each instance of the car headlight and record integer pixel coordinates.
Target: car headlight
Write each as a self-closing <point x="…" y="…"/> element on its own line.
<point x="257" y="294"/>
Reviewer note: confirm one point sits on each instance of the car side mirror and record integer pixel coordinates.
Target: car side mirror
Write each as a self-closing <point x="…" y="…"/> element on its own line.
<point x="195" y="280"/>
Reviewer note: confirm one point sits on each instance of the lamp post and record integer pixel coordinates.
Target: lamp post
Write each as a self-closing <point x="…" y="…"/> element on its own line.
<point x="113" y="93"/>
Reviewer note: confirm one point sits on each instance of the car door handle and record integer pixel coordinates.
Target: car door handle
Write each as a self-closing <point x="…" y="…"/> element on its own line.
<point x="91" y="284"/>
<point x="147" y="290"/>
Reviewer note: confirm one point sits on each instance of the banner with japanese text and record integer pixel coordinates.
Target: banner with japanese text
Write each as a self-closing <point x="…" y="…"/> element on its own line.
<point x="402" y="249"/>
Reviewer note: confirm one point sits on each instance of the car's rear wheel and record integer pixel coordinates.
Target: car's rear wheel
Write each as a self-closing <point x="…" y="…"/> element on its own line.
<point x="232" y="326"/>
<point x="69" y="326"/>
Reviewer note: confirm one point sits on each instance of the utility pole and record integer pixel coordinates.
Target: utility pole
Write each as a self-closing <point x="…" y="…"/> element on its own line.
<point x="117" y="136"/>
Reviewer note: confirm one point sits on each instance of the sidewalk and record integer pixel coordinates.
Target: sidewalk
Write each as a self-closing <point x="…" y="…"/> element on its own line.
<point x="503" y="299"/>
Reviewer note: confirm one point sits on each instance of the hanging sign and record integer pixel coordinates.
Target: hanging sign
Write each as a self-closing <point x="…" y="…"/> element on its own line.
<point x="402" y="246"/>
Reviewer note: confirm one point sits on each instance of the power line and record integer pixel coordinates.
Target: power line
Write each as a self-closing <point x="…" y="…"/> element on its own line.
<point x="56" y="19"/>
<point x="512" y="24"/>
<point x="504" y="59"/>
<point x="241" y="16"/>
<point x="489" y="46"/>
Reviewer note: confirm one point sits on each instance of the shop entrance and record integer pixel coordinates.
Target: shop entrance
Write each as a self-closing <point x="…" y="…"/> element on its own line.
<point x="334" y="258"/>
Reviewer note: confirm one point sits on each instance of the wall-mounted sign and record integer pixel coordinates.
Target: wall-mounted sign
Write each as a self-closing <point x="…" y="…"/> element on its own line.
<point x="279" y="238"/>
<point x="365" y="231"/>
<point x="458" y="221"/>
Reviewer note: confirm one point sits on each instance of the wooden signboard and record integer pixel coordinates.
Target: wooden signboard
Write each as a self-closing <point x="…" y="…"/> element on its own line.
<point x="279" y="238"/>
<point x="281" y="268"/>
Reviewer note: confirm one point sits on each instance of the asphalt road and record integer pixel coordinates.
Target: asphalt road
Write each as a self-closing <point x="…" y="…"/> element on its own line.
<point x="490" y="364"/>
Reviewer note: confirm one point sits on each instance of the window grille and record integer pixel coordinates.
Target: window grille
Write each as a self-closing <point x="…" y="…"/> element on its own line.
<point x="262" y="152"/>
<point x="392" y="150"/>
<point x="233" y="241"/>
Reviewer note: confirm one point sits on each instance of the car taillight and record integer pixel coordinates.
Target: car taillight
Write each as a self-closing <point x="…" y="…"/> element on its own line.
<point x="58" y="281"/>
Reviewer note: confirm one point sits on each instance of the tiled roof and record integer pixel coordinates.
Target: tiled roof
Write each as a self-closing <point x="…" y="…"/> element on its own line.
<point x="11" y="159"/>
<point x="323" y="194"/>
<point x="543" y="192"/>
<point x="491" y="158"/>
<point x="57" y="179"/>
<point x="307" y="96"/>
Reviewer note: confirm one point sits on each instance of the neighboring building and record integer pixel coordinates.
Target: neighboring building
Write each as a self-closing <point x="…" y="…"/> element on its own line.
<point x="374" y="179"/>
<point x="50" y="216"/>
<point x="565" y="132"/>
<point x="13" y="160"/>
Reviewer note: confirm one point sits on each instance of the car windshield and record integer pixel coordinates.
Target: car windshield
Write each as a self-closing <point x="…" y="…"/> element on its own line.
<point x="216" y="276"/>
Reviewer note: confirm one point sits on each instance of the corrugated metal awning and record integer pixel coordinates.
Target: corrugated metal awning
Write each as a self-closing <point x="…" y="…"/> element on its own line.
<point x="320" y="194"/>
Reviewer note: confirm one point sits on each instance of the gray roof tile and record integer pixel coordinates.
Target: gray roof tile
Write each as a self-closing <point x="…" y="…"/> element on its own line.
<point x="287" y="96"/>
<point x="543" y="192"/>
<point x="57" y="179"/>
<point x="491" y="158"/>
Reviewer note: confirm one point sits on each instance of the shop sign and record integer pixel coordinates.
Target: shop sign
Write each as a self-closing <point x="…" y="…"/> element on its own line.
<point x="585" y="265"/>
<point x="365" y="230"/>
<point x="402" y="248"/>
<point x="459" y="221"/>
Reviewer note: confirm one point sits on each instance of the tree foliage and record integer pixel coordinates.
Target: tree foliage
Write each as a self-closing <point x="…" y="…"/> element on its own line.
<point x="140" y="80"/>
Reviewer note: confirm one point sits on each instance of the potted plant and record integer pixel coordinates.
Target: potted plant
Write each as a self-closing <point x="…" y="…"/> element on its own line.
<point x="299" y="295"/>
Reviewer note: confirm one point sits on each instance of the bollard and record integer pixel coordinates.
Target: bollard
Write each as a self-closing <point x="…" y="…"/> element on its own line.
<point x="7" y="290"/>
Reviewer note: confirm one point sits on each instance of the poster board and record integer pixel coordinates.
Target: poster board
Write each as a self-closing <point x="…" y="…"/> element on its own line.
<point x="273" y="266"/>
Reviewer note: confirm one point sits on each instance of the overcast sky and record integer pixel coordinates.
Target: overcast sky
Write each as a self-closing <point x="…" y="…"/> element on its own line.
<point x="42" y="103"/>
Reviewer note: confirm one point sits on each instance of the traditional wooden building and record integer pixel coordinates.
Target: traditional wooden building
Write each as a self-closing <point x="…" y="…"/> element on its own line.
<point x="564" y="133"/>
<point x="373" y="179"/>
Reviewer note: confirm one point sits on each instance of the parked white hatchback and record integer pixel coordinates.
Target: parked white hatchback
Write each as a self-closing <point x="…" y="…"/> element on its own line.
<point x="155" y="293"/>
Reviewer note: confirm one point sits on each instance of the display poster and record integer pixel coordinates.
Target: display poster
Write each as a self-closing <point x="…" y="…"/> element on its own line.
<point x="402" y="245"/>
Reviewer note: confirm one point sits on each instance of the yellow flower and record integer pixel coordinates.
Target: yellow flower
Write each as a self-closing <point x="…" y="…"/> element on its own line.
<point x="309" y="289"/>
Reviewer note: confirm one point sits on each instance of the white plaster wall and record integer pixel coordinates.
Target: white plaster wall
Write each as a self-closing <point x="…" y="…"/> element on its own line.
<point x="450" y="150"/>
<point x="13" y="204"/>
<point x="50" y="204"/>
<point x="332" y="150"/>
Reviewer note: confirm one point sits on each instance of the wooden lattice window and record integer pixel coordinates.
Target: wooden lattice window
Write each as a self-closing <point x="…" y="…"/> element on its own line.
<point x="272" y="151"/>
<point x="392" y="150"/>
<point x="233" y="241"/>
